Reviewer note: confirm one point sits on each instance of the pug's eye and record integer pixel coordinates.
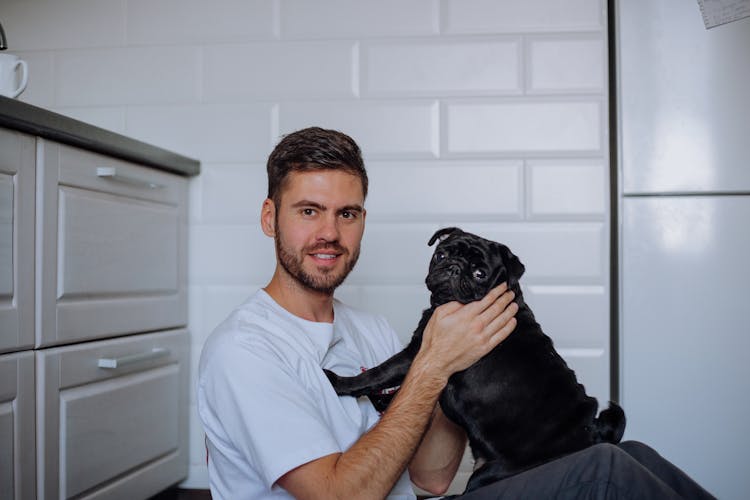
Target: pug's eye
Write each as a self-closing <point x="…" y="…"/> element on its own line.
<point x="479" y="274"/>
<point x="439" y="256"/>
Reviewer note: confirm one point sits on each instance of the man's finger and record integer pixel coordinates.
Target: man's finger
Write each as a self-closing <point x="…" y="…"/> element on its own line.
<point x="502" y="319"/>
<point x="449" y="307"/>
<point x="504" y="332"/>
<point x="497" y="307"/>
<point x="489" y="299"/>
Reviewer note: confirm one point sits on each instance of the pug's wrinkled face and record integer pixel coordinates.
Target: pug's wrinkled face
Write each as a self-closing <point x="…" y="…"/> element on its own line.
<point x="464" y="267"/>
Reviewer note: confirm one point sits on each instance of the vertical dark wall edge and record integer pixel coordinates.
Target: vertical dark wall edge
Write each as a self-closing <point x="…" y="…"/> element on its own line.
<point x="614" y="233"/>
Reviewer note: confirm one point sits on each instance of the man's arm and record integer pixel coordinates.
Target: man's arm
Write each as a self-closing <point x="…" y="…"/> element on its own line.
<point x="455" y="337"/>
<point x="439" y="455"/>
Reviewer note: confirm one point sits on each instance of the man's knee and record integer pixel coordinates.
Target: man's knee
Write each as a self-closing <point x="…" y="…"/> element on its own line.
<point x="607" y="459"/>
<point x="636" y="448"/>
<point x="604" y="451"/>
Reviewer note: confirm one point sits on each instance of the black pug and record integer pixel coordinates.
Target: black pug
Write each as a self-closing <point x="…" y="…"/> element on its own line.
<point x="521" y="404"/>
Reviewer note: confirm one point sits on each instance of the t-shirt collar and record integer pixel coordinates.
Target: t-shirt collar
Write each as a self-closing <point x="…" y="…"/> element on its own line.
<point x="322" y="336"/>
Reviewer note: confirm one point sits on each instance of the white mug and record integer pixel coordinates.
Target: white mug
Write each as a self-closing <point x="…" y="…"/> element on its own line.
<point x="9" y="65"/>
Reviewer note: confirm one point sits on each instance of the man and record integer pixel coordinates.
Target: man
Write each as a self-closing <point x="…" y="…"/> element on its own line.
<point x="276" y="429"/>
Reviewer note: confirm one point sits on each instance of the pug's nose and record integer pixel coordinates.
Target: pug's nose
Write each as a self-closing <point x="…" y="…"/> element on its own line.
<point x="454" y="270"/>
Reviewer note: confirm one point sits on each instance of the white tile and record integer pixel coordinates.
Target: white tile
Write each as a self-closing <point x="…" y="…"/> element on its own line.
<point x="220" y="301"/>
<point x="451" y="67"/>
<point x="195" y="313"/>
<point x="127" y="76"/>
<point x="40" y="89"/>
<point x="383" y="129"/>
<point x="565" y="65"/>
<point x="240" y="132"/>
<point x="197" y="478"/>
<point x="357" y="18"/>
<point x="197" y="438"/>
<point x="278" y="69"/>
<point x="592" y="370"/>
<point x="442" y="190"/>
<point x="394" y="254"/>
<point x="195" y="356"/>
<point x="233" y="193"/>
<point x="110" y="118"/>
<point x="230" y="255"/>
<point x="155" y="22"/>
<point x="504" y="16"/>
<point x="52" y="24"/>
<point x="195" y="198"/>
<point x="567" y="188"/>
<point x="401" y="305"/>
<point x="553" y="253"/>
<point x="574" y="317"/>
<point x="515" y="126"/>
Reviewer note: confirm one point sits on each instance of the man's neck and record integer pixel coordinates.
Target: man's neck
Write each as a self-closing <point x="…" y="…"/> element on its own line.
<point x="300" y="301"/>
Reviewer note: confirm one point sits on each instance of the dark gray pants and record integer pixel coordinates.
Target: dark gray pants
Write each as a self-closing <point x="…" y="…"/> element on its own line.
<point x="604" y="471"/>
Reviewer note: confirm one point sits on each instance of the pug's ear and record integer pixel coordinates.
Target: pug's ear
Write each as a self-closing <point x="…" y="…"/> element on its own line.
<point x="512" y="264"/>
<point x="442" y="234"/>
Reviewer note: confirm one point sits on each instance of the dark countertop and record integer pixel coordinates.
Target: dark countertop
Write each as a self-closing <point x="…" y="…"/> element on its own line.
<point x="30" y="119"/>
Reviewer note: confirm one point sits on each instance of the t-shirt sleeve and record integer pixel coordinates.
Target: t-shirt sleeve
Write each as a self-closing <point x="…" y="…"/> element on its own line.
<point x="264" y="410"/>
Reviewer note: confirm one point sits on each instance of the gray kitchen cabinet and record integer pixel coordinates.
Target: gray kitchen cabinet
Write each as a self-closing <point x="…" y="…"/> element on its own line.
<point x="93" y="311"/>
<point x="17" y="438"/>
<point x="111" y="269"/>
<point x="16" y="241"/>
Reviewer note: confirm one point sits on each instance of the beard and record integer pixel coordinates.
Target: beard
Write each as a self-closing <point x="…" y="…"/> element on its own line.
<point x="326" y="280"/>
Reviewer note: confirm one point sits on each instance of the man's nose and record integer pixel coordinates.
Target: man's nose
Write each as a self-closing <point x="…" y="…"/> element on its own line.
<point x="329" y="228"/>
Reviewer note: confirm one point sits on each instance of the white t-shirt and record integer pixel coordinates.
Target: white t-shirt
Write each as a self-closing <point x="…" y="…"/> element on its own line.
<point x="265" y="403"/>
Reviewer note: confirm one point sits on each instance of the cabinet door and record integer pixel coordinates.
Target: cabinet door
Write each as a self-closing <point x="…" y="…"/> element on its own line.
<point x="17" y="448"/>
<point x="113" y="247"/>
<point x="16" y="241"/>
<point x="112" y="416"/>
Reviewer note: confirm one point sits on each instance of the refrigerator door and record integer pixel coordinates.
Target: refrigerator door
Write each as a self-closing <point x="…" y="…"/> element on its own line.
<point x="684" y="99"/>
<point x="686" y="323"/>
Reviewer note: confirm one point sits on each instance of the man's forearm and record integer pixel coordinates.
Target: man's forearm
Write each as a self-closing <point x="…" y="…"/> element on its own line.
<point x="439" y="455"/>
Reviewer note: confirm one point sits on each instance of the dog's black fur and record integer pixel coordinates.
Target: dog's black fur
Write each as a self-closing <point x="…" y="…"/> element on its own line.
<point x="520" y="405"/>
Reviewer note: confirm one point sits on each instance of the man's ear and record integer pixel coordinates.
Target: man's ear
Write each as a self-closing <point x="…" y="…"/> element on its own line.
<point x="268" y="218"/>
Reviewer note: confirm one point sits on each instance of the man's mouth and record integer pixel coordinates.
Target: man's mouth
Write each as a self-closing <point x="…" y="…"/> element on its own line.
<point x="325" y="256"/>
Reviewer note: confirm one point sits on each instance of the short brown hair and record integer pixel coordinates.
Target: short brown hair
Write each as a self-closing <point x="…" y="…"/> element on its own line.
<point x="313" y="148"/>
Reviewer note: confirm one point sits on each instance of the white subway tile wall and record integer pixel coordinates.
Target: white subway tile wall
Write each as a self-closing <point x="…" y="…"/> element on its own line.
<point x="428" y="67"/>
<point x="489" y="115"/>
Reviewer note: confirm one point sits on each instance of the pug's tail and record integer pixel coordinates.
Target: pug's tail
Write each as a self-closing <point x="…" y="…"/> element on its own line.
<point x="609" y="426"/>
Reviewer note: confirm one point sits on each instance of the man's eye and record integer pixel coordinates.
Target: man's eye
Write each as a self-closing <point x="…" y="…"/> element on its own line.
<point x="308" y="211"/>
<point x="348" y="215"/>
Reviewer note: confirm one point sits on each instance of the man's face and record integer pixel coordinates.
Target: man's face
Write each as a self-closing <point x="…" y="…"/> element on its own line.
<point x="318" y="227"/>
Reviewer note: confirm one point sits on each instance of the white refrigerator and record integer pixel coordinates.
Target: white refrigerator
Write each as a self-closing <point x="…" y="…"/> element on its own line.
<point x="683" y="129"/>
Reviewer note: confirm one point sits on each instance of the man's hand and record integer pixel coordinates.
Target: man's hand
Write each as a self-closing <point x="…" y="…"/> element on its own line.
<point x="458" y="335"/>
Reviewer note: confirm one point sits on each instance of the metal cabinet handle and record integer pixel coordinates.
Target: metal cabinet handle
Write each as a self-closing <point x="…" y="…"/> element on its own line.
<point x="111" y="363"/>
<point x="111" y="173"/>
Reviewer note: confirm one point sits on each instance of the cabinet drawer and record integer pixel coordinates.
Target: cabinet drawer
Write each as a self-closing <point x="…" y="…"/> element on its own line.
<point x="16" y="241"/>
<point x="76" y="167"/>
<point x="113" y="247"/>
<point x="17" y="449"/>
<point x="111" y="415"/>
